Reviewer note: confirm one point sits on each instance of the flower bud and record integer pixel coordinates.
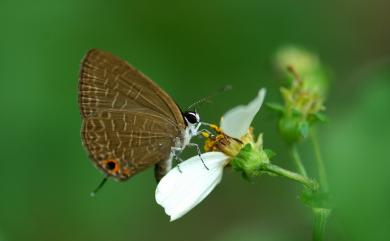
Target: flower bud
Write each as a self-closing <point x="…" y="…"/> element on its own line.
<point x="304" y="95"/>
<point x="307" y="65"/>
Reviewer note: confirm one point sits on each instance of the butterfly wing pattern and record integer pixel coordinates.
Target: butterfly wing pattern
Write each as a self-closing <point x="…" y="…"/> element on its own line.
<point x="129" y="123"/>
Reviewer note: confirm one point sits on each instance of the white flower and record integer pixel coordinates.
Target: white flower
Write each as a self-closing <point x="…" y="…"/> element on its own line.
<point x="235" y="122"/>
<point x="179" y="192"/>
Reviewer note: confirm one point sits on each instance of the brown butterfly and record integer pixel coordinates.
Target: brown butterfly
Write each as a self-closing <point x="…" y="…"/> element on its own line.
<point x="129" y="123"/>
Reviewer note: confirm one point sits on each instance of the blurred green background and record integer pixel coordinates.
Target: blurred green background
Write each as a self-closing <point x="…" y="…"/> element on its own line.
<point x="190" y="48"/>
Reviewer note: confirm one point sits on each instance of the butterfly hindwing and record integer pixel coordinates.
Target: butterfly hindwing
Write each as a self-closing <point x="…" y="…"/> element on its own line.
<point x="135" y="139"/>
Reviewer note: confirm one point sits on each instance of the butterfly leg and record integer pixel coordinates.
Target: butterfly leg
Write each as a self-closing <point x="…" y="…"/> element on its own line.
<point x="199" y="153"/>
<point x="178" y="161"/>
<point x="175" y="153"/>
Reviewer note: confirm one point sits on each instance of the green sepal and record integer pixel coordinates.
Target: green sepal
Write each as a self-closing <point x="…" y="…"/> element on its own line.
<point x="270" y="153"/>
<point x="289" y="128"/>
<point x="276" y="107"/>
<point x="296" y="113"/>
<point x="249" y="161"/>
<point x="304" y="129"/>
<point x="318" y="117"/>
<point x="246" y="177"/>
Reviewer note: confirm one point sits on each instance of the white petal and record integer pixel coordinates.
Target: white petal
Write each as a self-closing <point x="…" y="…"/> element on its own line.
<point x="178" y="192"/>
<point x="236" y="121"/>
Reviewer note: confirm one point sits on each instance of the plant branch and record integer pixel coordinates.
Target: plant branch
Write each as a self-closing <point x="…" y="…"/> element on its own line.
<point x="320" y="217"/>
<point x="297" y="160"/>
<point x="309" y="183"/>
<point x="320" y="163"/>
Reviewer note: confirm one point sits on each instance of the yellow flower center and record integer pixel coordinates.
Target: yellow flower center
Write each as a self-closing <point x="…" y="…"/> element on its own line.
<point x="224" y="143"/>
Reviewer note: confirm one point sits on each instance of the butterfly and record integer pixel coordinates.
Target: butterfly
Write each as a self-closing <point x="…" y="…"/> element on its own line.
<point x="128" y="122"/>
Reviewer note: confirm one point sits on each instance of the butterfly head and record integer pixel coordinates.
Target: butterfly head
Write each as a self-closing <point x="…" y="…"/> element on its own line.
<point x="191" y="117"/>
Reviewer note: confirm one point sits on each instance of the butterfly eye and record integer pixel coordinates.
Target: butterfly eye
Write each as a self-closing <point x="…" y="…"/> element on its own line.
<point x="191" y="117"/>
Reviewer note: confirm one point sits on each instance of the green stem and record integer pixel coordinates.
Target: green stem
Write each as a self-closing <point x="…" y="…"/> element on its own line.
<point x="297" y="160"/>
<point x="320" y="214"/>
<point x="320" y="163"/>
<point x="313" y="185"/>
<point x="320" y="217"/>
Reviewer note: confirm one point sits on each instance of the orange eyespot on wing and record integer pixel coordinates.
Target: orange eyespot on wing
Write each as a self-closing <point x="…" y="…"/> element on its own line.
<point x="112" y="167"/>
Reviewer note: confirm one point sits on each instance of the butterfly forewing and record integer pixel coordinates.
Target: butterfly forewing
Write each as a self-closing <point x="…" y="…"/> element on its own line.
<point x="107" y="82"/>
<point x="128" y="120"/>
